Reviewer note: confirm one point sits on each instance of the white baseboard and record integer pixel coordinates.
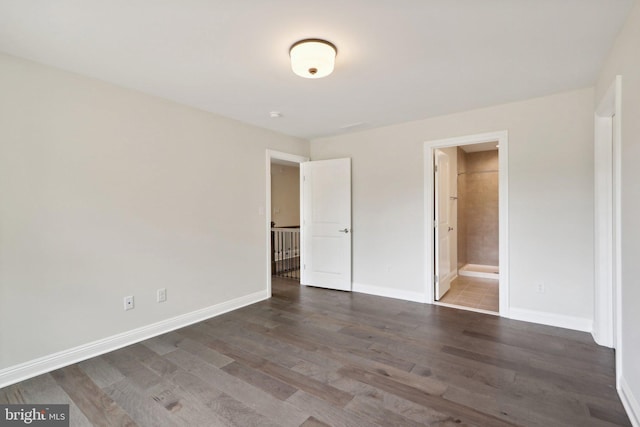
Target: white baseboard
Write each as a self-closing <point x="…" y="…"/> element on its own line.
<point x="388" y="292"/>
<point x="63" y="358"/>
<point x="459" y="307"/>
<point x="629" y="402"/>
<point x="454" y="275"/>
<point x="479" y="270"/>
<point x="551" y="319"/>
<point x="479" y="275"/>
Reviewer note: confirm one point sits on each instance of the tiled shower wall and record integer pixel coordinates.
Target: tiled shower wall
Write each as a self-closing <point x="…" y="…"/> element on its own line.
<point x="478" y="208"/>
<point x="462" y="224"/>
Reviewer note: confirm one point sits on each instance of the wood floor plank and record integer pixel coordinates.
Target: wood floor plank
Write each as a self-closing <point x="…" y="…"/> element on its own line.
<point x="101" y="372"/>
<point x="183" y="399"/>
<point x="427" y="384"/>
<point x="273" y="386"/>
<point x="563" y="366"/>
<point x="240" y="414"/>
<point x="316" y="388"/>
<point x="257" y="343"/>
<point x="12" y="395"/>
<point x="265" y="403"/>
<point x="564" y="354"/>
<point x="99" y="408"/>
<point x="608" y="415"/>
<point x="202" y="351"/>
<point x="163" y="344"/>
<point x="576" y="384"/>
<point x="314" y="422"/>
<point x="464" y="413"/>
<point x="516" y="409"/>
<point x="132" y="369"/>
<point x="326" y="412"/>
<point x="391" y="402"/>
<point x="377" y="414"/>
<point x="132" y="400"/>
<point x="315" y="357"/>
<point x="284" y="351"/>
<point x="44" y="389"/>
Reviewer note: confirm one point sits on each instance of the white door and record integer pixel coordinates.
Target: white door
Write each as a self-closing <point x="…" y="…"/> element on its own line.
<point x="326" y="224"/>
<point x="443" y="228"/>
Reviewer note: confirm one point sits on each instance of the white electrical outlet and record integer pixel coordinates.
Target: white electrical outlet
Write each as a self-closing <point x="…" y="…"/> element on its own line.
<point x="540" y="287"/>
<point x="162" y="295"/>
<point x="128" y="303"/>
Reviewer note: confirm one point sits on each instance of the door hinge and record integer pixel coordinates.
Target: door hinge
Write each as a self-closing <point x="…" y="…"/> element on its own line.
<point x="435" y="278"/>
<point x="435" y="168"/>
<point x="435" y="224"/>
<point x="304" y="266"/>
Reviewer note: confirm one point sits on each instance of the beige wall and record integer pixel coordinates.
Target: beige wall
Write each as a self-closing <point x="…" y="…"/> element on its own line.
<point x="624" y="60"/>
<point x="481" y="213"/>
<point x="285" y="195"/>
<point x="550" y="199"/>
<point x="107" y="192"/>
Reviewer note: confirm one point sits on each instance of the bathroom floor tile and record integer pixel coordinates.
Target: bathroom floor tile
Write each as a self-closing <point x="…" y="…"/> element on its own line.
<point x="473" y="292"/>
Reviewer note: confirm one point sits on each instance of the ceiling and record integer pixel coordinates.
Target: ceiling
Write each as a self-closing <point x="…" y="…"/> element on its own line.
<point x="398" y="60"/>
<point x="483" y="146"/>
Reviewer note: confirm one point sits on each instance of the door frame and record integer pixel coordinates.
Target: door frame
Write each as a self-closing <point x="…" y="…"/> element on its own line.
<point x="607" y="317"/>
<point x="270" y="156"/>
<point x="502" y="138"/>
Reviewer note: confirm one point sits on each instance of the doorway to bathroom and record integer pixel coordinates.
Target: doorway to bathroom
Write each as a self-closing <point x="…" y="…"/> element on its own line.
<point x="465" y="198"/>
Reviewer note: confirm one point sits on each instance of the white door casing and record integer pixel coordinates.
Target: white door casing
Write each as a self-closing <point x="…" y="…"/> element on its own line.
<point x="442" y="224"/>
<point x="502" y="139"/>
<point x="607" y="241"/>
<point x="272" y="155"/>
<point x="326" y="224"/>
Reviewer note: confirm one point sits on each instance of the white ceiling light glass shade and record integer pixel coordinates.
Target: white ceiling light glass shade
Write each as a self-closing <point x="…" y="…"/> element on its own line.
<point x="313" y="58"/>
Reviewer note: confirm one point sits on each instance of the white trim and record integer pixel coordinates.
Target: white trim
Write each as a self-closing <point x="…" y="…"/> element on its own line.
<point x="502" y="138"/>
<point x="67" y="357"/>
<point x="551" y="319"/>
<point x="479" y="270"/>
<point x="388" y="292"/>
<point x="630" y="403"/>
<point x="453" y="275"/>
<point x="276" y="155"/>
<point x="464" y="307"/>
<point x="603" y="235"/>
<point x="479" y="275"/>
<point x="607" y="240"/>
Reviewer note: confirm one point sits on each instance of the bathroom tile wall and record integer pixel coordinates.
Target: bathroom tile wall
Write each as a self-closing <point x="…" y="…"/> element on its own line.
<point x="479" y="212"/>
<point x="461" y="222"/>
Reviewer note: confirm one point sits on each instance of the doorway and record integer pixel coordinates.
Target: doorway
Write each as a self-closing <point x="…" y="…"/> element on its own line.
<point x="325" y="213"/>
<point x="466" y="205"/>
<point x="285" y="220"/>
<point x="283" y="212"/>
<point x="467" y="238"/>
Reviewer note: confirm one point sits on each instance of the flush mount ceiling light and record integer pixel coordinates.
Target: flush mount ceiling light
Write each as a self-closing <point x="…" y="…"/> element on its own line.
<point x="313" y="58"/>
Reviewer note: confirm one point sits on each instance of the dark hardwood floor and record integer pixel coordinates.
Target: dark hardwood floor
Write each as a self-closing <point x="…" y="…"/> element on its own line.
<point x="314" y="357"/>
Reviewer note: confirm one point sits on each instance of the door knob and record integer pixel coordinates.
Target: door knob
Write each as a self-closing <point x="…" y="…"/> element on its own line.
<point x="345" y="230"/>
